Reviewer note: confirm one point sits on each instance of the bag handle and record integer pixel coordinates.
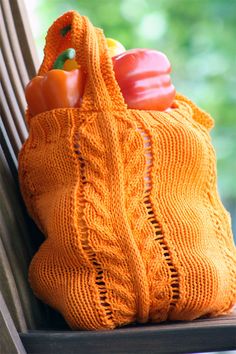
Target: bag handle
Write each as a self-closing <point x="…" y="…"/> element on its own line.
<point x="198" y="114"/>
<point x="73" y="30"/>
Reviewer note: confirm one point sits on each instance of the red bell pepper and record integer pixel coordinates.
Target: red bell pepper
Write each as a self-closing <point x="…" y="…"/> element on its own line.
<point x="144" y="80"/>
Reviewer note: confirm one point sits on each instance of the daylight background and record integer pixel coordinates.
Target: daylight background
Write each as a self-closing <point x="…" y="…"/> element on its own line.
<point x="198" y="37"/>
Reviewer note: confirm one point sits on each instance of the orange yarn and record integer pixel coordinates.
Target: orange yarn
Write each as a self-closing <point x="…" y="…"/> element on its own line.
<point x="127" y="200"/>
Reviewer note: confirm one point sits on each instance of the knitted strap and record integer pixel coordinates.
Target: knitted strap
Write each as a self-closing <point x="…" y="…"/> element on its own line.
<point x="198" y="114"/>
<point x="73" y="30"/>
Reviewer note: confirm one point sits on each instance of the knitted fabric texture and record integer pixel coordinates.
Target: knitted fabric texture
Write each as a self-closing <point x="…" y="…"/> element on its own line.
<point x="127" y="200"/>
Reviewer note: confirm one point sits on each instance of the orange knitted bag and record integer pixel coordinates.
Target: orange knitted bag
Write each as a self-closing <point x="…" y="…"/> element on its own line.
<point x="127" y="199"/>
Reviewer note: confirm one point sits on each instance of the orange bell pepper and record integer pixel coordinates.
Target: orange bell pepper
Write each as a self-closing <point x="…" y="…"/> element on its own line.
<point x="57" y="89"/>
<point x="63" y="86"/>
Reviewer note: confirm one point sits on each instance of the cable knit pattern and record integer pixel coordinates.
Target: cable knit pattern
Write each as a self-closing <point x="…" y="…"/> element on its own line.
<point x="128" y="202"/>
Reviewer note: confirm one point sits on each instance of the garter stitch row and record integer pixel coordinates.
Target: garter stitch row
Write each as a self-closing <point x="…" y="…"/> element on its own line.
<point x="127" y="200"/>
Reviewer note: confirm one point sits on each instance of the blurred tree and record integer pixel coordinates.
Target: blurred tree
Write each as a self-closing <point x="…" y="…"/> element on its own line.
<point x="198" y="36"/>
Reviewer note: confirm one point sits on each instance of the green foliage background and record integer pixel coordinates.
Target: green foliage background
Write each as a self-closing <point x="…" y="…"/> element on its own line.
<point x="198" y="36"/>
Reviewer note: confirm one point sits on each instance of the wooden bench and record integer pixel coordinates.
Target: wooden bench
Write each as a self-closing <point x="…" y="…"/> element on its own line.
<point x="26" y="324"/>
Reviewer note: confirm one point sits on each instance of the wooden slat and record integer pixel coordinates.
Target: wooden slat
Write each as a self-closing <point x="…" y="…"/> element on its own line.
<point x="10" y="342"/>
<point x="11" y="67"/>
<point x="9" y="289"/>
<point x="25" y="36"/>
<point x="16" y="49"/>
<point x="8" y="151"/>
<point x="18" y="246"/>
<point x="13" y="105"/>
<point x="192" y="337"/>
<point x="9" y="124"/>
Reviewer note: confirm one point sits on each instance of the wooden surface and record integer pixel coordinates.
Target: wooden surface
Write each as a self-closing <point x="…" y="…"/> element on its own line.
<point x="25" y="36"/>
<point x="10" y="342"/>
<point x="192" y="337"/>
<point x="19" y="64"/>
<point x="19" y="237"/>
<point x="17" y="247"/>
